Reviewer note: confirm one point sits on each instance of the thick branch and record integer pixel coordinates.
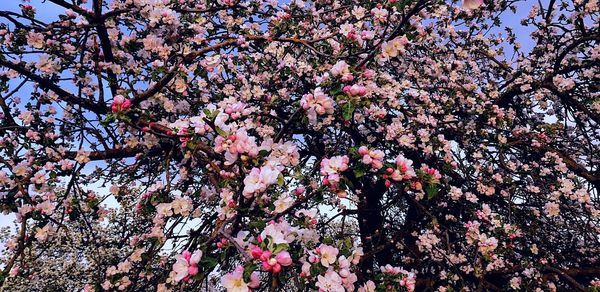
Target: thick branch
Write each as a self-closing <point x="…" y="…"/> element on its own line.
<point x="51" y="85"/>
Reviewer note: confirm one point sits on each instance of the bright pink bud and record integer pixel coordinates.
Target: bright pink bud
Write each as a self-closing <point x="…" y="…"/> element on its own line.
<point x="192" y="270"/>
<point x="186" y="255"/>
<point x="276" y="268"/>
<point x="388" y="183"/>
<point x="256" y="252"/>
<point x="266" y="266"/>
<point x="126" y="104"/>
<point x="265" y="255"/>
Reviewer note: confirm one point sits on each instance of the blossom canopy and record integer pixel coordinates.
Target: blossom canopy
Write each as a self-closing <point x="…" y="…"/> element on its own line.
<point x="325" y="145"/>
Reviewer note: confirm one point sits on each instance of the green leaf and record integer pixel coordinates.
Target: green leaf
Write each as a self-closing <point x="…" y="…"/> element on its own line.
<point x="335" y="89"/>
<point x="348" y="243"/>
<point x="347" y="111"/>
<point x="431" y="190"/>
<point x="353" y="151"/>
<point x="221" y="132"/>
<point x="258" y="224"/>
<point x="248" y="272"/>
<point x="209" y="262"/>
<point x="108" y="120"/>
<point x="359" y="172"/>
<point x="279" y="248"/>
<point x="280" y="180"/>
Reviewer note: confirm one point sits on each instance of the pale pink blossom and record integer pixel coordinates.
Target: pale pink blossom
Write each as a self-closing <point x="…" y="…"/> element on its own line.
<point x="328" y="254"/>
<point x="187" y="265"/>
<point x="330" y="282"/>
<point x="234" y="281"/>
<point x="259" y="179"/>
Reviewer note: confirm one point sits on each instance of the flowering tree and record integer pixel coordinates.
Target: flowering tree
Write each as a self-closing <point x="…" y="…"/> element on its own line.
<point x="307" y="145"/>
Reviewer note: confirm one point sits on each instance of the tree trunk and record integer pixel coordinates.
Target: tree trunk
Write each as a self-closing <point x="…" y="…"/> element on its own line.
<point x="371" y="224"/>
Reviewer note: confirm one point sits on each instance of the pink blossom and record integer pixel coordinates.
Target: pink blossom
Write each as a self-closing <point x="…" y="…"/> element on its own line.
<point x="404" y="169"/>
<point x="328" y="254"/>
<point x="259" y="179"/>
<point x="234" y="281"/>
<point x="284" y="258"/>
<point x="552" y="209"/>
<point x="330" y="282"/>
<point x="186" y="265"/>
<point x="374" y="158"/>
<point x="317" y="104"/>
<point x="332" y="167"/>
<point x="355" y="90"/>
<point x="120" y="103"/>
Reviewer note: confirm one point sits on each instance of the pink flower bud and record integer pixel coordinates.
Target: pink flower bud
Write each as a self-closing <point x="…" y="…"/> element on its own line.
<point x="256" y="252"/>
<point x="186" y="255"/>
<point x="192" y="270"/>
<point x="126" y="104"/>
<point x="363" y="150"/>
<point x="265" y="255"/>
<point x="299" y="190"/>
<point x="266" y="266"/>
<point x="276" y="268"/>
<point x="284" y="258"/>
